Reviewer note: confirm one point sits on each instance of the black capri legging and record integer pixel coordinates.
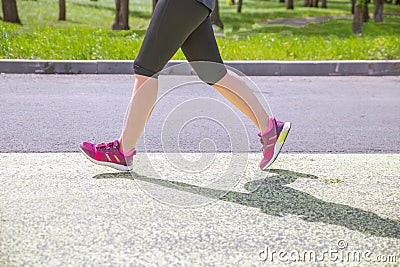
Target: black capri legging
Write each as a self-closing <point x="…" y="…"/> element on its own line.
<point x="181" y="24"/>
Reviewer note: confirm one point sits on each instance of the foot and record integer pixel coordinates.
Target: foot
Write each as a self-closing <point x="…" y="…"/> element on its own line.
<point x="272" y="141"/>
<point x="108" y="154"/>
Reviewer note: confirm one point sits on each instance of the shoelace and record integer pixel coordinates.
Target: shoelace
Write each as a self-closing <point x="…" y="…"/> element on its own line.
<point x="106" y="146"/>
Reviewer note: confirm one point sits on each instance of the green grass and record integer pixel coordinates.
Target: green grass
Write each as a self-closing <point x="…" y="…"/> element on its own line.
<point x="67" y="43"/>
<point x="264" y="10"/>
<point x="86" y="34"/>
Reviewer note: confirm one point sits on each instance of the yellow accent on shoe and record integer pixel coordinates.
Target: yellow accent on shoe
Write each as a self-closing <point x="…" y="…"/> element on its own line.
<point x="282" y="137"/>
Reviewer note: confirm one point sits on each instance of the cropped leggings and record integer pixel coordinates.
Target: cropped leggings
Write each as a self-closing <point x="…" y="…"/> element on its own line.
<point x="181" y="24"/>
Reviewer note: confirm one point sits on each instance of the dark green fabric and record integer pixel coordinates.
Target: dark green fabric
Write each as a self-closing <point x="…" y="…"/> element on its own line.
<point x="208" y="3"/>
<point x="181" y="24"/>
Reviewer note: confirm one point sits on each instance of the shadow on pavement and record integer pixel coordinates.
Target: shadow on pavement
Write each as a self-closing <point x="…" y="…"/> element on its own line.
<point x="274" y="198"/>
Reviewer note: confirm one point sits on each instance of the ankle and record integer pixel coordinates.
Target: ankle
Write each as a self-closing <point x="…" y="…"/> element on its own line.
<point x="267" y="125"/>
<point x="125" y="151"/>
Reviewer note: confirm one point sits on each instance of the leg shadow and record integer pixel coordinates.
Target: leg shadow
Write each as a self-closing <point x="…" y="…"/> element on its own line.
<point x="274" y="198"/>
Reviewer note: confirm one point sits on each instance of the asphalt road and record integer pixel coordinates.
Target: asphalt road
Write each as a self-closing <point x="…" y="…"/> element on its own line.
<point x="192" y="209"/>
<point x="54" y="113"/>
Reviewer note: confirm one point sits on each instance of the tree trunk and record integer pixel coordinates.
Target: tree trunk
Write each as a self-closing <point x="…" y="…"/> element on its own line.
<point x="353" y="4"/>
<point x="239" y="6"/>
<point x="316" y="3"/>
<point x="358" y="19"/>
<point x="121" y="21"/>
<point x="324" y="4"/>
<point x="308" y="3"/>
<point x="215" y="18"/>
<point x="154" y="4"/>
<point x="378" y="14"/>
<point x="289" y="4"/>
<point x="62" y="12"/>
<point x="365" y="11"/>
<point x="10" y="11"/>
<point x="281" y="1"/>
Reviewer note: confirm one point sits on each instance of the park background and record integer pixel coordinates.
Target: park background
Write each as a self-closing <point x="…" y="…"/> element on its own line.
<point x="263" y="30"/>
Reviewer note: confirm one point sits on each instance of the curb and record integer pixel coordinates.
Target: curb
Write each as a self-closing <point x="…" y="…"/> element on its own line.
<point x="248" y="67"/>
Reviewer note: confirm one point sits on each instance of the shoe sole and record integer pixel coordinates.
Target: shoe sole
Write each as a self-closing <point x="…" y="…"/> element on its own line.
<point x="107" y="164"/>
<point x="279" y="143"/>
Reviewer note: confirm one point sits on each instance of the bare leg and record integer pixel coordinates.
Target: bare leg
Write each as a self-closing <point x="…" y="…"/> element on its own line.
<point x="143" y="99"/>
<point x="233" y="88"/>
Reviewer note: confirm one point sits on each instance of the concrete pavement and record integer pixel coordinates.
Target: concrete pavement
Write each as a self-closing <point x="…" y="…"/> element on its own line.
<point x="60" y="209"/>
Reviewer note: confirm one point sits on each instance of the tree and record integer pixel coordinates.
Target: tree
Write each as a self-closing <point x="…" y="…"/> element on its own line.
<point x="324" y="4"/>
<point x="365" y="11"/>
<point x="215" y="18"/>
<point x="10" y="11"/>
<point x="378" y="14"/>
<point x="358" y="20"/>
<point x="308" y="3"/>
<point x="289" y="4"/>
<point x="121" y="20"/>
<point x="62" y="12"/>
<point x="239" y="6"/>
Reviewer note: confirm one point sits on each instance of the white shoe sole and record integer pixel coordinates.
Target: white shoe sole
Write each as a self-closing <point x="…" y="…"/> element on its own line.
<point x="107" y="164"/>
<point x="279" y="143"/>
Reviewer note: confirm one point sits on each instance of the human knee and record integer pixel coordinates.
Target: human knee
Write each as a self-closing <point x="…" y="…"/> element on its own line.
<point x="210" y="72"/>
<point x="138" y="70"/>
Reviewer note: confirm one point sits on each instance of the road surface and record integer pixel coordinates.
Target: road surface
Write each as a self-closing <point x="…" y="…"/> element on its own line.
<point x="54" y="113"/>
<point x="332" y="199"/>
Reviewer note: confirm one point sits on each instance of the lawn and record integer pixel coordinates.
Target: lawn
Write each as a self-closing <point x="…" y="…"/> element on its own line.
<point x="86" y="34"/>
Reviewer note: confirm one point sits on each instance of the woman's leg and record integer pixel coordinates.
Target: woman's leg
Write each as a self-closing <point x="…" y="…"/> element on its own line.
<point x="233" y="88"/>
<point x="171" y="24"/>
<point x="201" y="49"/>
<point x="144" y="96"/>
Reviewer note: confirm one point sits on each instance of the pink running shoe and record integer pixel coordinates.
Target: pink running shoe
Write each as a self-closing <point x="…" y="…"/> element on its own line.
<point x="109" y="154"/>
<point x="272" y="141"/>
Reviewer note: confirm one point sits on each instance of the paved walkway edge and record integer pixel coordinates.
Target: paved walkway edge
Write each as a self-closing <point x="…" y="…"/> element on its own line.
<point x="248" y="67"/>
